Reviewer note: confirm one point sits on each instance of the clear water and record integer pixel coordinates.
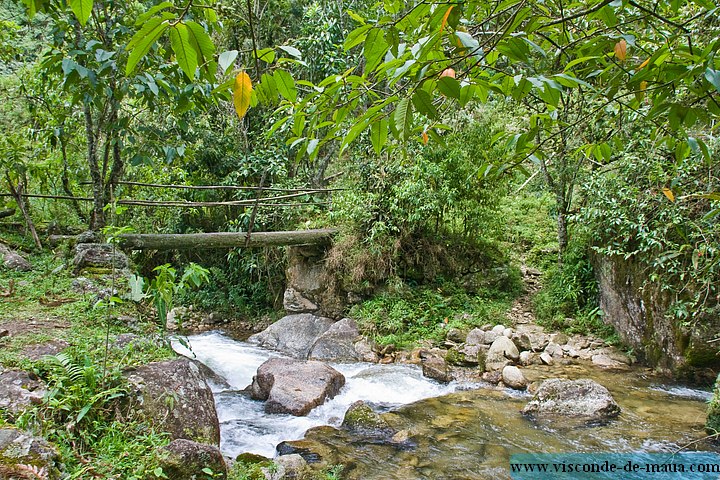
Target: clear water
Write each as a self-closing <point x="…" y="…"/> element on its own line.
<point x="459" y="431"/>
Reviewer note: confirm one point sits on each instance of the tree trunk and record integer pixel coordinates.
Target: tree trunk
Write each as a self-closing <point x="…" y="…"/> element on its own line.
<point x="224" y="239"/>
<point x="18" y="194"/>
<point x="7" y="213"/>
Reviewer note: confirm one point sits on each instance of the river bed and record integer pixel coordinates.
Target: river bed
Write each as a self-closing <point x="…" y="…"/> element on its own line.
<point x="459" y="430"/>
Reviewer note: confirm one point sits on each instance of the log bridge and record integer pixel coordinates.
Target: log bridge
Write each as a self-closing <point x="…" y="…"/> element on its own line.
<point x="187" y="241"/>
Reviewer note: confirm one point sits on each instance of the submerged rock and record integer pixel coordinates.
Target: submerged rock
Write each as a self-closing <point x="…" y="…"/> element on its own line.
<point x="25" y="456"/>
<point x="577" y="398"/>
<point x="20" y="390"/>
<point x="174" y="396"/>
<point x="185" y="460"/>
<point x="294" y="335"/>
<point x="295" y="386"/>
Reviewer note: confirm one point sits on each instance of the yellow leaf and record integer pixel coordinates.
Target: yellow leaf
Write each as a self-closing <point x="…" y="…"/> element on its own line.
<point x="445" y="18"/>
<point x="669" y="194"/>
<point x="644" y="64"/>
<point x="643" y="86"/>
<point x="621" y="50"/>
<point x="425" y="137"/>
<point x="242" y="90"/>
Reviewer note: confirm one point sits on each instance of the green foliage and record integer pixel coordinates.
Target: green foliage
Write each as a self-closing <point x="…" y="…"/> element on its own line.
<point x="163" y="289"/>
<point x="712" y="424"/>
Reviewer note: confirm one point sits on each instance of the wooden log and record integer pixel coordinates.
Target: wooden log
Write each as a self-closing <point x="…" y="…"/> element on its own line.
<point x="184" y="241"/>
<point x="7" y="212"/>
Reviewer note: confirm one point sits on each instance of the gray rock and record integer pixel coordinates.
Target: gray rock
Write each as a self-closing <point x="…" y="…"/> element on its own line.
<point x="38" y="351"/>
<point x="434" y="366"/>
<point x="361" y="420"/>
<point x="546" y="358"/>
<point x="475" y="337"/>
<point x="538" y="341"/>
<point x="530" y="358"/>
<point x="293" y="334"/>
<point x="456" y="335"/>
<point x="185" y="460"/>
<point x="498" y="329"/>
<point x="99" y="255"/>
<point x="508" y="332"/>
<point x="365" y="352"/>
<point x="20" y="390"/>
<point x="473" y="355"/>
<point x="174" y="396"/>
<point x="521" y="341"/>
<point x="25" y="456"/>
<point x="13" y="260"/>
<point x="288" y="467"/>
<point x="294" y="302"/>
<point x="337" y="343"/>
<point x="605" y="361"/>
<point x="577" y="398"/>
<point x="295" y="386"/>
<point x="502" y="352"/>
<point x="554" y="349"/>
<point x="514" y="378"/>
<point x="559" y="338"/>
<point x="88" y="236"/>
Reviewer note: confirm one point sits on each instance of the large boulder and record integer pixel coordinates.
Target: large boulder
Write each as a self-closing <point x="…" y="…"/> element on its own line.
<point x="294" y="335"/>
<point x="363" y="421"/>
<point x="513" y="377"/>
<point x="174" y="396"/>
<point x="337" y="344"/>
<point x="99" y="255"/>
<point x="295" y="386"/>
<point x="185" y="460"/>
<point x="19" y="390"/>
<point x="25" y="456"/>
<point x="434" y="366"/>
<point x="502" y="352"/>
<point x="576" y="398"/>
<point x="13" y="260"/>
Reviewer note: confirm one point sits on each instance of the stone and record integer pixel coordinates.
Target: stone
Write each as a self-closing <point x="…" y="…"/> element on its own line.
<point x="337" y="343"/>
<point x="361" y="420"/>
<point x="575" y="398"/>
<point x="493" y="377"/>
<point x="25" y="456"/>
<point x="530" y="358"/>
<point x="13" y="260"/>
<point x="546" y="358"/>
<point x="88" y="236"/>
<point x="20" y="390"/>
<point x="559" y="338"/>
<point x="472" y="355"/>
<point x="99" y="255"/>
<point x="498" y="329"/>
<point x="456" y="335"/>
<point x="174" y="396"/>
<point x="521" y="341"/>
<point x="293" y="335"/>
<point x="185" y="460"/>
<point x="295" y="386"/>
<point x="508" y="332"/>
<point x="475" y="337"/>
<point x="434" y="366"/>
<point x="554" y="349"/>
<point x="501" y="353"/>
<point x="365" y="351"/>
<point x="38" y="351"/>
<point x="605" y="361"/>
<point x="513" y="377"/>
<point x="294" y="302"/>
<point x="288" y="467"/>
<point x="538" y="341"/>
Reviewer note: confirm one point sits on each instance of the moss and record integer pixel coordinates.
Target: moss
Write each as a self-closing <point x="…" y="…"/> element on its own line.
<point x="454" y="357"/>
<point x="699" y="356"/>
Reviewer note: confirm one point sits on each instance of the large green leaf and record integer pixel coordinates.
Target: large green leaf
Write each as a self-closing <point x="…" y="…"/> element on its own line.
<point x="378" y="134"/>
<point x="403" y="119"/>
<point x="201" y="42"/>
<point x="143" y="40"/>
<point x="424" y="104"/>
<point x="285" y="85"/>
<point x="185" y="54"/>
<point x="82" y="9"/>
<point x="713" y="76"/>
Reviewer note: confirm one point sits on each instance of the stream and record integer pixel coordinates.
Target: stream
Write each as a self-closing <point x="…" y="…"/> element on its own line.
<point x="459" y="430"/>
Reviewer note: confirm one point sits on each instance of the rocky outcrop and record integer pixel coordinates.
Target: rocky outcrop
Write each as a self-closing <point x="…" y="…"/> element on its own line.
<point x="174" y="396"/>
<point x="187" y="460"/>
<point x="13" y="260"/>
<point x="575" y="398"/>
<point x="308" y="289"/>
<point x="295" y="386"/>
<point x="25" y="456"/>
<point x="293" y="335"/>
<point x="99" y="255"/>
<point x="20" y="390"/>
<point x="337" y="343"/>
<point x="638" y="311"/>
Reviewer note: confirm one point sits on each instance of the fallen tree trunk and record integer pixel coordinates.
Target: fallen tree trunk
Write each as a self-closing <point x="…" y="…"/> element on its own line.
<point x="224" y="239"/>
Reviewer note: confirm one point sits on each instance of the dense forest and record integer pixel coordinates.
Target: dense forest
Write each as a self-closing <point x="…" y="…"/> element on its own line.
<point x="429" y="169"/>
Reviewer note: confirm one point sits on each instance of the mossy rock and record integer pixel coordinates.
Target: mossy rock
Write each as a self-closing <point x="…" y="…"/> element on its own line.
<point x="22" y="456"/>
<point x="361" y="420"/>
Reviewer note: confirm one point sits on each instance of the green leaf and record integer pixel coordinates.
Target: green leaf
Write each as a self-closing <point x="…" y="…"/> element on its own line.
<point x="378" y="134"/>
<point x="403" y="118"/>
<point x="201" y="42"/>
<point x="285" y="85"/>
<point x="82" y="10"/>
<point x="374" y="49"/>
<point x="227" y="59"/>
<point x="713" y="76"/>
<point x="292" y="51"/>
<point x="449" y="87"/>
<point x="424" y="104"/>
<point x="141" y="19"/>
<point x="185" y="54"/>
<point x="356" y="37"/>
<point x="143" y="40"/>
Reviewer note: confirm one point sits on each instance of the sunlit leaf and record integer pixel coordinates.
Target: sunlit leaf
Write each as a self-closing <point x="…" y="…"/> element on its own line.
<point x="242" y="90"/>
<point x="621" y="50"/>
<point x="669" y="194"/>
<point x="82" y="9"/>
<point x="185" y="54"/>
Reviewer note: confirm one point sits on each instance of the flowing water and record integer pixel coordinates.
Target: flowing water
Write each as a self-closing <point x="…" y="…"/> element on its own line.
<point x="456" y="431"/>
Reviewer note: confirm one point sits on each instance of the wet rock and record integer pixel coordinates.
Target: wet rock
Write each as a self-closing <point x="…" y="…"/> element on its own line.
<point x="288" y="467"/>
<point x="434" y="366"/>
<point x="98" y="255"/>
<point x="546" y="358"/>
<point x="312" y="451"/>
<point x="456" y="335"/>
<point x="493" y="377"/>
<point x="25" y="456"/>
<point x="293" y="334"/>
<point x="605" y="361"/>
<point x="361" y="420"/>
<point x="521" y="341"/>
<point x="365" y="352"/>
<point x="554" y="350"/>
<point x="174" y="396"/>
<point x="185" y="460"/>
<point x="502" y="352"/>
<point x="13" y="260"/>
<point x="514" y="378"/>
<point x="294" y="302"/>
<point x="576" y="398"/>
<point x="530" y="358"/>
<point x="20" y="390"/>
<point x="295" y="386"/>
<point x="337" y="343"/>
